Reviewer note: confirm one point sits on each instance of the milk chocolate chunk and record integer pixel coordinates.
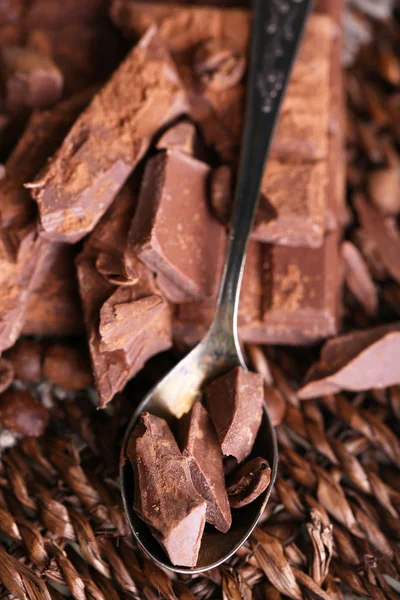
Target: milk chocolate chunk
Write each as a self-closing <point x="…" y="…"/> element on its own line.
<point x="199" y="442"/>
<point x="181" y="137"/>
<point x="247" y="483"/>
<point x="126" y="324"/>
<point x="235" y="401"/>
<point x="29" y="79"/>
<point x="360" y="360"/>
<point x="21" y="413"/>
<point x="167" y="232"/>
<point x="107" y="141"/>
<point x="165" y="498"/>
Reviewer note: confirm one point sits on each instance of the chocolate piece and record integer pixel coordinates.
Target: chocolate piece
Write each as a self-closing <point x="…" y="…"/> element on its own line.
<point x="218" y="66"/>
<point x="26" y="359"/>
<point x="221" y="196"/>
<point x="29" y="79"/>
<point x="6" y="374"/>
<point x="248" y="482"/>
<point x="386" y="244"/>
<point x="21" y="413"/>
<point x="292" y="206"/>
<point x="235" y="401"/>
<point x="360" y="360"/>
<point x="54" y="308"/>
<point x="67" y="367"/>
<point x="122" y="334"/>
<point x="358" y="278"/>
<point x="200" y="444"/>
<point x="164" y="494"/>
<point x="107" y="141"/>
<point x="167" y="232"/>
<point x="181" y="137"/>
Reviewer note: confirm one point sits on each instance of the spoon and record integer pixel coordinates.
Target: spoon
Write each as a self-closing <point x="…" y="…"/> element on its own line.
<point x="277" y="30"/>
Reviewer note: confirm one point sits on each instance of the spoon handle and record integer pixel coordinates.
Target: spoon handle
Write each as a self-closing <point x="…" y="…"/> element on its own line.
<point x="277" y="30"/>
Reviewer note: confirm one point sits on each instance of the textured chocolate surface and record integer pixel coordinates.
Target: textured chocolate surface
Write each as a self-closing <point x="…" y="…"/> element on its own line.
<point x="168" y="229"/>
<point x="107" y="141"/>
<point x="128" y="323"/>
<point x="235" y="403"/>
<point x="356" y="361"/>
<point x="199" y="442"/>
<point x="164" y="494"/>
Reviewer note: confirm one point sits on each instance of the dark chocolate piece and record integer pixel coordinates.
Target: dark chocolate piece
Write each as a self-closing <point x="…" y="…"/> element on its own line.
<point x="235" y="401"/>
<point x="165" y="498"/>
<point x="200" y="444"/>
<point x="126" y="324"/>
<point x="6" y="374"/>
<point x="181" y="137"/>
<point x="167" y="232"/>
<point x="360" y="360"/>
<point x="21" y="413"/>
<point x="248" y="482"/>
<point x="107" y="141"/>
<point x="67" y="367"/>
<point x="26" y="359"/>
<point x="29" y="79"/>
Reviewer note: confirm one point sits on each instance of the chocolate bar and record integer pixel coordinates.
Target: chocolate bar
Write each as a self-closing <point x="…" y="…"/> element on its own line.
<point x="126" y="324"/>
<point x="164" y="494"/>
<point x="355" y="361"/>
<point x="107" y="141"/>
<point x="29" y="79"/>
<point x="169" y="224"/>
<point x="235" y="402"/>
<point x="199" y="442"/>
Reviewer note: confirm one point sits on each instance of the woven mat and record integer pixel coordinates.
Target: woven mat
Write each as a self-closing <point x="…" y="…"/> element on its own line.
<point x="330" y="529"/>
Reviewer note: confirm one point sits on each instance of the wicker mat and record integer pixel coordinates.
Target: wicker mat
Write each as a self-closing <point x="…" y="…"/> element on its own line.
<point x="331" y="528"/>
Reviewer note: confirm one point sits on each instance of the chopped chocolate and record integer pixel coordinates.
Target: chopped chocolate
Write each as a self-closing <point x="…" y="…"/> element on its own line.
<point x="167" y="232"/>
<point x="54" y="308"/>
<point x="235" y="401"/>
<point x="221" y="194"/>
<point x="26" y="359"/>
<point x="67" y="367"/>
<point x="386" y="244"/>
<point x="356" y="361"/>
<point x="6" y="374"/>
<point x="29" y="79"/>
<point x="181" y="137"/>
<point x="21" y="413"/>
<point x="199" y="442"/>
<point x="358" y="278"/>
<point x="107" y="141"/>
<point x="126" y="324"/>
<point x="165" y="498"/>
<point x="248" y="482"/>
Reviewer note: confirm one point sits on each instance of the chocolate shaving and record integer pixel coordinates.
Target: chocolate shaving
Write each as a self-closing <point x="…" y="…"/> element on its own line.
<point x="248" y="482"/>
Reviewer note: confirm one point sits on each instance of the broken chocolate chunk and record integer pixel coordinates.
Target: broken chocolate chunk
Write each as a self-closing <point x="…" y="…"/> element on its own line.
<point x="248" y="482"/>
<point x="29" y="79"/>
<point x="67" y="367"/>
<point x="200" y="444"/>
<point x="26" y="359"/>
<point x="235" y="401"/>
<point x="21" y="413"/>
<point x="181" y="137"/>
<point x="165" y="498"/>
<point x="360" y="360"/>
<point x="167" y="232"/>
<point x="107" y="141"/>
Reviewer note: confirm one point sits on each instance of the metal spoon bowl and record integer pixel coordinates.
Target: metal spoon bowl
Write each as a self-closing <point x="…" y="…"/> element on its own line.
<point x="277" y="29"/>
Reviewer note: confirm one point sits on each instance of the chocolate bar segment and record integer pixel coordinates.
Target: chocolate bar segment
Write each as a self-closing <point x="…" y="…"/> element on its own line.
<point x="165" y="498"/>
<point x="107" y="141"/>
<point x="199" y="442"/>
<point x="235" y="401"/>
<point x="168" y="229"/>
<point x="359" y="360"/>
<point x="128" y="323"/>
